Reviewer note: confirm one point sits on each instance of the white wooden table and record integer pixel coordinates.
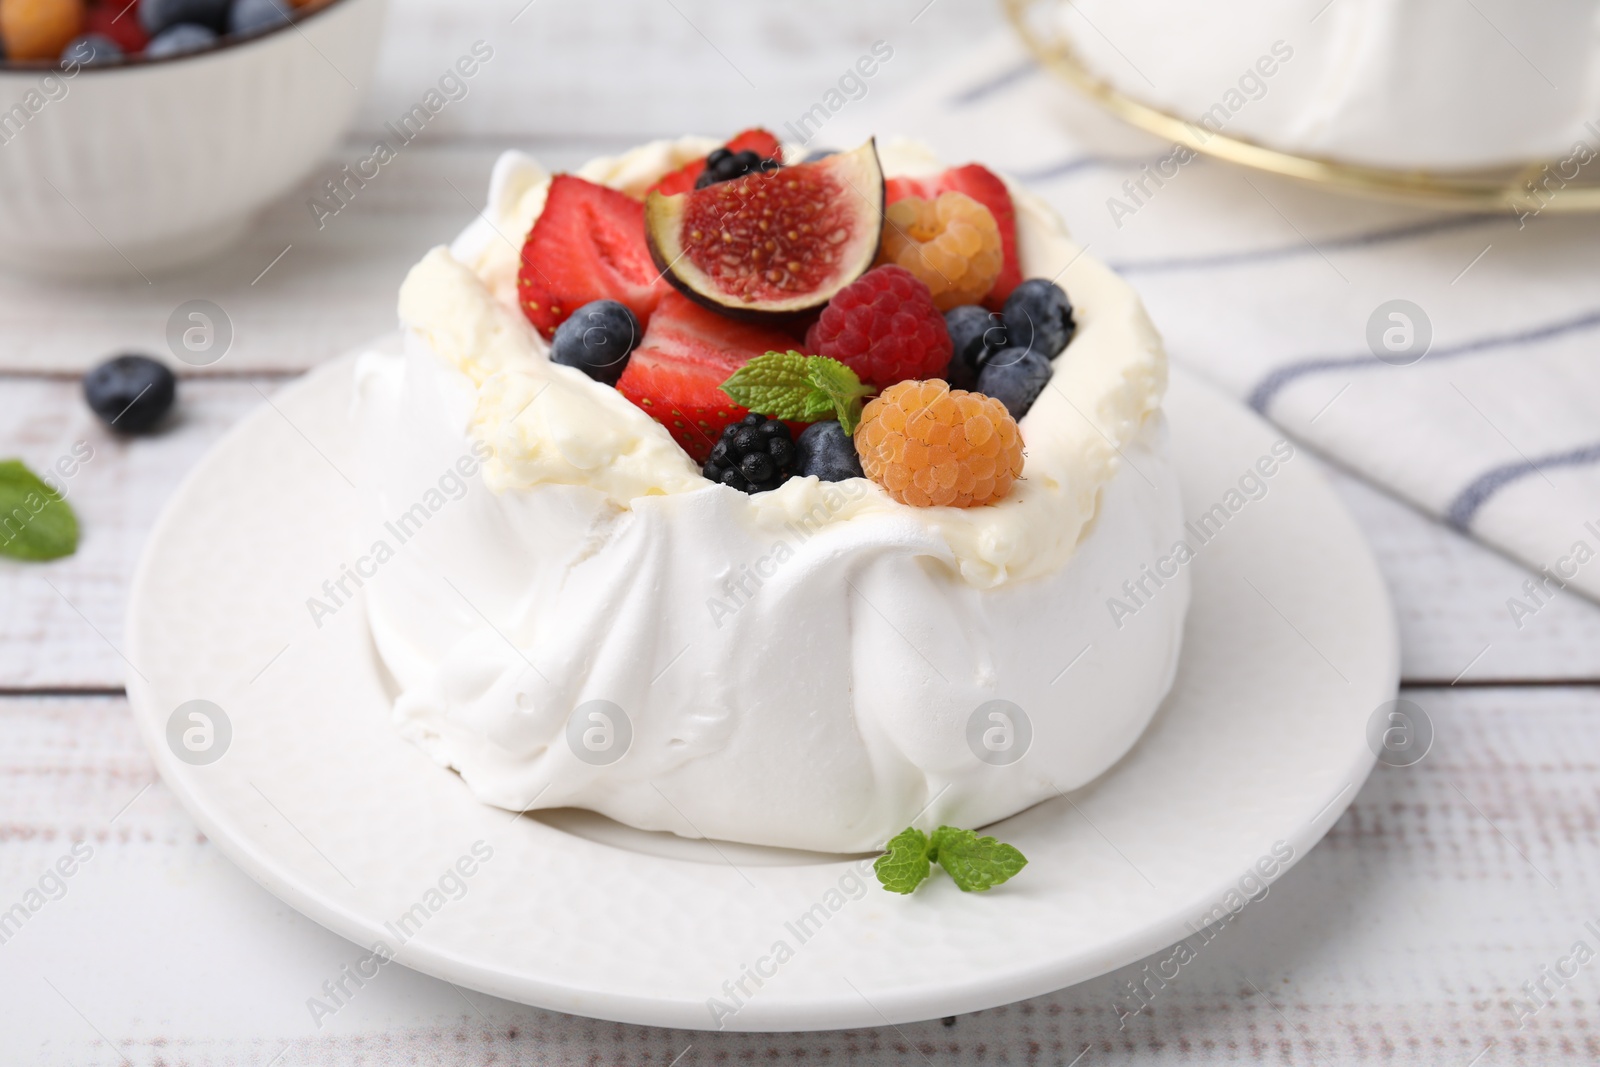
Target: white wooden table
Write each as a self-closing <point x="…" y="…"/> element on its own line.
<point x="1405" y="937"/>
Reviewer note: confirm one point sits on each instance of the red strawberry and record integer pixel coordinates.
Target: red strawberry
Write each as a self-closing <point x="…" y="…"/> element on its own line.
<point x="682" y="180"/>
<point x="986" y="188"/>
<point x="119" y="22"/>
<point x="676" y="373"/>
<point x="588" y="244"/>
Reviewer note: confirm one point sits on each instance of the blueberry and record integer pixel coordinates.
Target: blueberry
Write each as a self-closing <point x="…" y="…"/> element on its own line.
<point x="817" y="154"/>
<point x="723" y="165"/>
<point x="825" y="450"/>
<point x="90" y="49"/>
<point x="975" y="332"/>
<point x="254" y="16"/>
<point x="1015" y="377"/>
<point x="130" y="393"/>
<point x="179" y="40"/>
<point x="597" y="339"/>
<point x="1038" y="316"/>
<point x="158" y="15"/>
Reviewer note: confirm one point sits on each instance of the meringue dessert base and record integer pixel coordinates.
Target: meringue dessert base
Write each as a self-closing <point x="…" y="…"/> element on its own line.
<point x="810" y="668"/>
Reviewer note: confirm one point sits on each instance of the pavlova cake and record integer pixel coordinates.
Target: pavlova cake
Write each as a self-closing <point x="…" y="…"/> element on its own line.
<point x="1440" y="85"/>
<point x="791" y="496"/>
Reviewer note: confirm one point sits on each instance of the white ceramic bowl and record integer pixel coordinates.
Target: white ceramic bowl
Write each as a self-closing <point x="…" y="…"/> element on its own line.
<point x="160" y="163"/>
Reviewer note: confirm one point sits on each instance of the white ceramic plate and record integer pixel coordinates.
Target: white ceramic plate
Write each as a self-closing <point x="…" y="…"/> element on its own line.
<point x="1290" y="648"/>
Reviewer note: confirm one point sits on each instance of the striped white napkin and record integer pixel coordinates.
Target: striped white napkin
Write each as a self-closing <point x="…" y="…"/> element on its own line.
<point x="1485" y="408"/>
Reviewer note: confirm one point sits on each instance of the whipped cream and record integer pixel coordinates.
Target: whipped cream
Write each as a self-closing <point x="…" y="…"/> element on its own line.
<point x="1430" y="84"/>
<point x="464" y="304"/>
<point x="796" y="668"/>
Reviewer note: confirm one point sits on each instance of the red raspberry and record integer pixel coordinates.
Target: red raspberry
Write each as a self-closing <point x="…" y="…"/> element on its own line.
<point x="885" y="327"/>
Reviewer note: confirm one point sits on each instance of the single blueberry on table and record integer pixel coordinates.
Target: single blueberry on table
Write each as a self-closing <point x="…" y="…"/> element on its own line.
<point x="597" y="339"/>
<point x="130" y="393"/>
<point x="179" y="40"/>
<point x="158" y="15"/>
<point x="1038" y="317"/>
<point x="975" y="333"/>
<point x="1015" y="377"/>
<point x="825" y="450"/>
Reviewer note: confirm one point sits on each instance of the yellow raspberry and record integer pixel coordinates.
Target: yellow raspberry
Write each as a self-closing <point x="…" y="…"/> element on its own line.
<point x="39" y="29"/>
<point x="951" y="244"/>
<point x="933" y="446"/>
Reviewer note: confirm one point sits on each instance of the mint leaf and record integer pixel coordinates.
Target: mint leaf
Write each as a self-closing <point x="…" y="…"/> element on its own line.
<point x="36" y="523"/>
<point x="974" y="863"/>
<point x="775" y="385"/>
<point x="904" y="866"/>
<point x="800" y="388"/>
<point x="841" y="388"/>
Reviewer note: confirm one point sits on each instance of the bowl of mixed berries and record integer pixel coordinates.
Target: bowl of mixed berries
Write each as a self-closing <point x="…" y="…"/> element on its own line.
<point x="137" y="136"/>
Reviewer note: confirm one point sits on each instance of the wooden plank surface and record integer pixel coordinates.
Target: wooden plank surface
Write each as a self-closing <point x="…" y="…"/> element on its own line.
<point x="1403" y="938"/>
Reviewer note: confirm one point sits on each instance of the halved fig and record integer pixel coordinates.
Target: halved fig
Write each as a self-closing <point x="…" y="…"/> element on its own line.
<point x="772" y="245"/>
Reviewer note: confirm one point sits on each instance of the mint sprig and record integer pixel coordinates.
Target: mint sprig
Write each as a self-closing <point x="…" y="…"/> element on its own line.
<point x="904" y="866"/>
<point x="36" y="522"/>
<point x="974" y="863"/>
<point x="800" y="388"/>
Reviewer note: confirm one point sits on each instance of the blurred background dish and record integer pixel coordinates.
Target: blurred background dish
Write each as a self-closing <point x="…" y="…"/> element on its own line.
<point x="159" y="159"/>
<point x="1469" y="106"/>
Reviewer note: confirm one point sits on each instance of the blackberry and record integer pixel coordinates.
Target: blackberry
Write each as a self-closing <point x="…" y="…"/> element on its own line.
<point x="753" y="455"/>
<point x="724" y="166"/>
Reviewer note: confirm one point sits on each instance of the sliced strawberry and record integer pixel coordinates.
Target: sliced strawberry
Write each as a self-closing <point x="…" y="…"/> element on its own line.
<point x="755" y="140"/>
<point x="676" y="373"/>
<point x="588" y="244"/>
<point x="986" y="188"/>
